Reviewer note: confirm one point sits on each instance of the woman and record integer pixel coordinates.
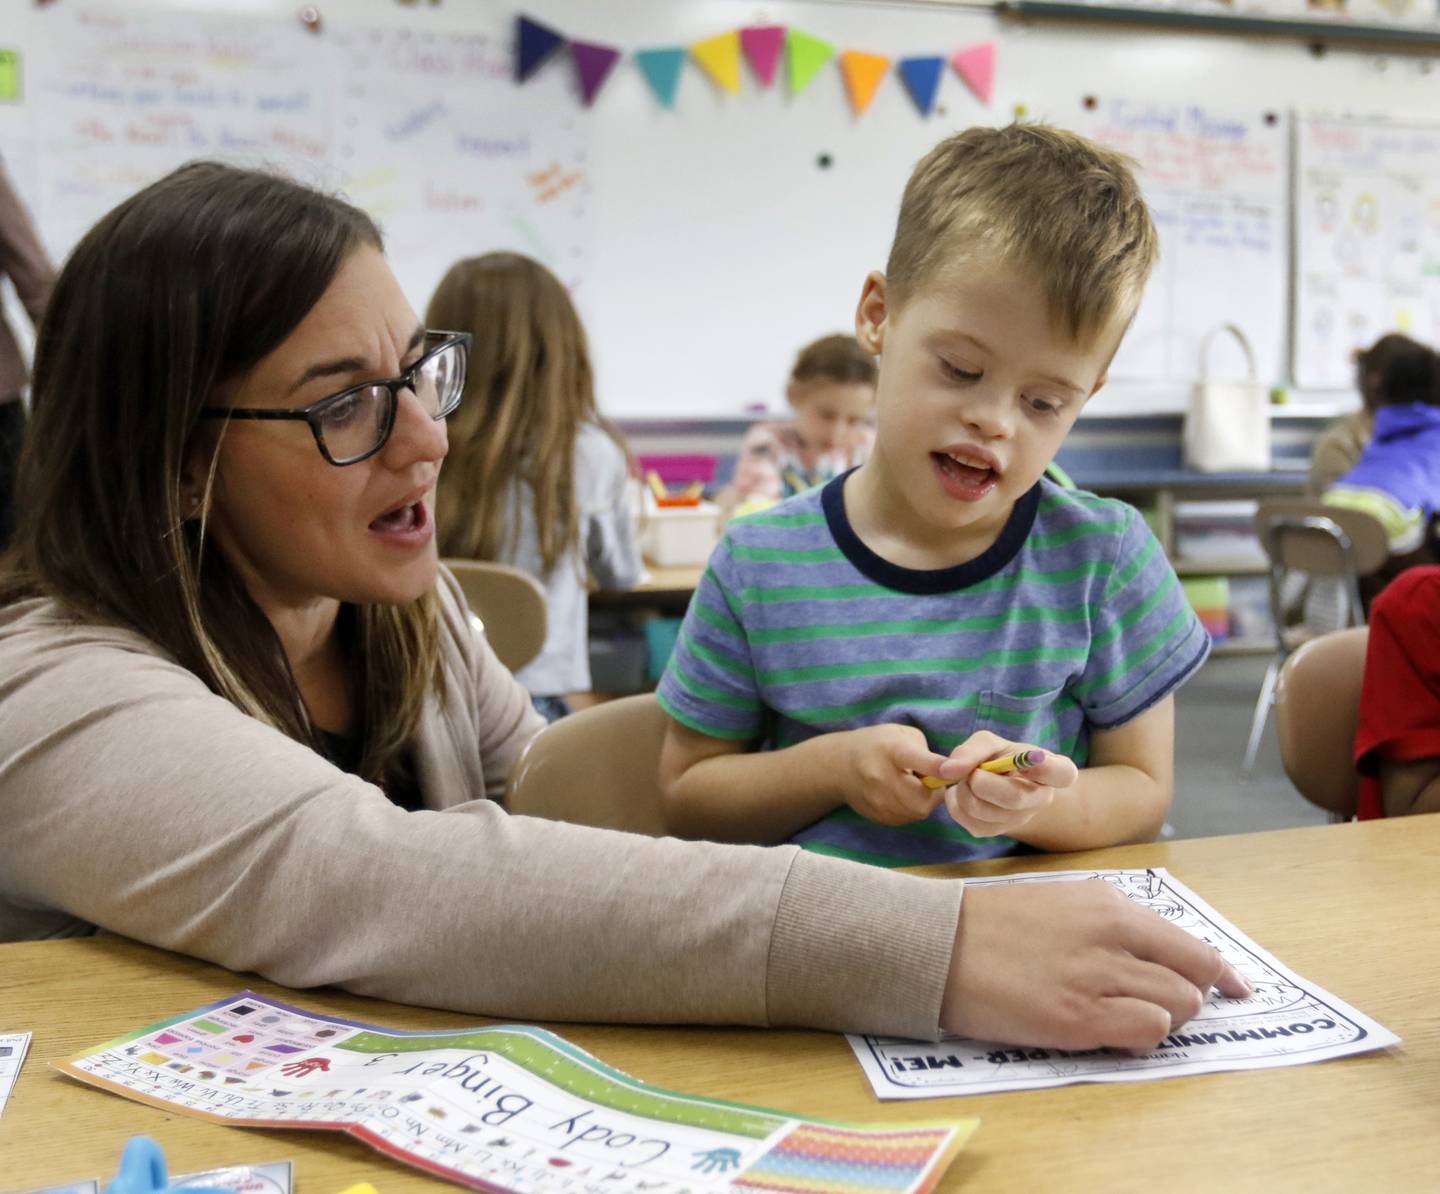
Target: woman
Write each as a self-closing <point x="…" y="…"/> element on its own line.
<point x="230" y="667"/>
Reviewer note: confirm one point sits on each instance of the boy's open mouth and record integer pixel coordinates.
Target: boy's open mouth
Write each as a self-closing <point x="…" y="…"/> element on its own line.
<point x="967" y="473"/>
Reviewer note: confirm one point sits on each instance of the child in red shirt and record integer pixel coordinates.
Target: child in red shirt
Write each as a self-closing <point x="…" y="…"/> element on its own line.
<point x="1397" y="742"/>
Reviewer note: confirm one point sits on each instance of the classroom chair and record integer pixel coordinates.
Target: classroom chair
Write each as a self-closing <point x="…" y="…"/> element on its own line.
<point x="1314" y="540"/>
<point x="599" y="766"/>
<point x="1317" y="706"/>
<point x="510" y="605"/>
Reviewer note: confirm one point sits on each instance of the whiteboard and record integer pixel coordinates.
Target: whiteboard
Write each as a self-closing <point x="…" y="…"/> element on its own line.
<point x="1368" y="246"/>
<point x="1217" y="181"/>
<point x="702" y="245"/>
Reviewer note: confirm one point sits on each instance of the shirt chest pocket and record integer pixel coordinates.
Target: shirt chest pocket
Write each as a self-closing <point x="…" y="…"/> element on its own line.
<point x="1049" y="719"/>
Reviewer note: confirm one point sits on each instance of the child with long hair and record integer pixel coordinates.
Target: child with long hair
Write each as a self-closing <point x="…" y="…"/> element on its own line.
<point x="536" y="475"/>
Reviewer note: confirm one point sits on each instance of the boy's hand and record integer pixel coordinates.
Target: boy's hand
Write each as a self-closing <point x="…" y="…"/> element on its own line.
<point x="877" y="766"/>
<point x="990" y="805"/>
<point x="1074" y="965"/>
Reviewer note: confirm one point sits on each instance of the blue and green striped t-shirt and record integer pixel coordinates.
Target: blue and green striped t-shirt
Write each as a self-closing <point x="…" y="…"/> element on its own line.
<point x="1072" y="620"/>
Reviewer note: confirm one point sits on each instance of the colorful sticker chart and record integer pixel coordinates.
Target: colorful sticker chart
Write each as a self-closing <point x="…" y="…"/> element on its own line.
<point x="499" y="1108"/>
<point x="1287" y="1021"/>
<point x="274" y="1178"/>
<point x="13" y="1047"/>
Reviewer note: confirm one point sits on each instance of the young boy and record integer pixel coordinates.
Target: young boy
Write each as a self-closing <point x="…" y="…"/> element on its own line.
<point x="943" y="605"/>
<point x="832" y="391"/>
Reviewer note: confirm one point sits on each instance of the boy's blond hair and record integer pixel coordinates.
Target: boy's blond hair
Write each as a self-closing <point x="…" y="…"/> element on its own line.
<point x="1050" y="199"/>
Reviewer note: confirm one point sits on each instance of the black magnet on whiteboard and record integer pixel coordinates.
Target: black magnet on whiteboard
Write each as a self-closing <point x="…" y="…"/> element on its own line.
<point x="1317" y="49"/>
<point x="824" y="161"/>
<point x="310" y="18"/>
<point x="1272" y="118"/>
<point x="1088" y="103"/>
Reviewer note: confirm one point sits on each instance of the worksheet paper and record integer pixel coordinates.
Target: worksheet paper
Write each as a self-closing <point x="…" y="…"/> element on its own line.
<point x="13" y="1046"/>
<point x="499" y="1108"/>
<point x="1288" y="1021"/>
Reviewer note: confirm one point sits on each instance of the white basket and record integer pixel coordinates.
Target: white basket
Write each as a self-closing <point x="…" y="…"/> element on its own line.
<point x="679" y="536"/>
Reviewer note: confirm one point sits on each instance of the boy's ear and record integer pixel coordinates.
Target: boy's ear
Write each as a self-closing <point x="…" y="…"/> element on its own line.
<point x="1099" y="381"/>
<point x="871" y="313"/>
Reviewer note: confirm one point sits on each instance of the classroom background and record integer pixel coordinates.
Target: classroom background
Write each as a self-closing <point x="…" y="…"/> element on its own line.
<point x="713" y="200"/>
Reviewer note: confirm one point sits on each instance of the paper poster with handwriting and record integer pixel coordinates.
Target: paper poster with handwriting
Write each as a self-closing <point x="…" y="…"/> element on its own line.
<point x="501" y="1108"/>
<point x="1287" y="1021"/>
<point x="1215" y="176"/>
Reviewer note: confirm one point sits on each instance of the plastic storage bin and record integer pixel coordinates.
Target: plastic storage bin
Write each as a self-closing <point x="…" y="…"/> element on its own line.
<point x="679" y="536"/>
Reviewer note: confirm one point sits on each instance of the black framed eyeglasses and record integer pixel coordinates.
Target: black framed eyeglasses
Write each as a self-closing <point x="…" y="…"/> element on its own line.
<point x="354" y="424"/>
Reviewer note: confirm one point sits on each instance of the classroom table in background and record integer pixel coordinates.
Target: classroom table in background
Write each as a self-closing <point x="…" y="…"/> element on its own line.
<point x="1350" y="907"/>
<point x="666" y="591"/>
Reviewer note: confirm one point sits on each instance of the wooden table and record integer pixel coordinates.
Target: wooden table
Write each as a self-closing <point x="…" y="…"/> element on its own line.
<point x="1351" y="907"/>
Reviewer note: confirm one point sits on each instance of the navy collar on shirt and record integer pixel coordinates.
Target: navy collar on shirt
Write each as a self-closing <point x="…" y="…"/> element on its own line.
<point x="919" y="580"/>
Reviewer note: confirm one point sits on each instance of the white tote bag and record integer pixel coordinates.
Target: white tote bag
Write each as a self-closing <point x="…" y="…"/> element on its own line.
<point x="1227" y="428"/>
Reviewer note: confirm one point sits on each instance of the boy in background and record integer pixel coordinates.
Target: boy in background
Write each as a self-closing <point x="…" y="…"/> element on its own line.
<point x="944" y="604"/>
<point x="832" y="391"/>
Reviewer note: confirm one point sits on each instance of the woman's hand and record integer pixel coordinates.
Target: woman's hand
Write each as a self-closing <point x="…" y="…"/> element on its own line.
<point x="1074" y="965"/>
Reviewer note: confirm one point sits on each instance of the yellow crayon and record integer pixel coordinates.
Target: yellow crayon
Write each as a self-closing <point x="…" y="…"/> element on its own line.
<point x="1020" y="760"/>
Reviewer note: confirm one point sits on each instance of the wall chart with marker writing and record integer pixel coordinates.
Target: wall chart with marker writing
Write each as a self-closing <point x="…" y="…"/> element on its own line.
<point x="704" y="242"/>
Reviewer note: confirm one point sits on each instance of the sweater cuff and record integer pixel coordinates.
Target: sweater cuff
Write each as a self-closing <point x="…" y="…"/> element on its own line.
<point x="860" y="949"/>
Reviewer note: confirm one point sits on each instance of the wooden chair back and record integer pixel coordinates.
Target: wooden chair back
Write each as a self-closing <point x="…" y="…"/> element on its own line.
<point x="511" y="605"/>
<point x="600" y="766"/>
<point x="1317" y="708"/>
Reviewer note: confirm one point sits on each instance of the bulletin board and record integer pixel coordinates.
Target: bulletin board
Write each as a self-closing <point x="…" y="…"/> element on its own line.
<point x="704" y="241"/>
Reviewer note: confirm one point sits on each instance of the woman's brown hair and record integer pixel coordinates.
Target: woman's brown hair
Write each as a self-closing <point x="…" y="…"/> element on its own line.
<point x="528" y="389"/>
<point x="185" y="286"/>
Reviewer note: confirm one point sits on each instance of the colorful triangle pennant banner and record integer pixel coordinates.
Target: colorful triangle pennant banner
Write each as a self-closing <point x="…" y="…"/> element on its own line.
<point x="662" y="72"/>
<point x="720" y="57"/>
<point x="593" y="64"/>
<point x="921" y="77"/>
<point x="863" y="73"/>
<point x="534" y="43"/>
<point x="762" y="45"/>
<point x="976" y="66"/>
<point x="805" y="55"/>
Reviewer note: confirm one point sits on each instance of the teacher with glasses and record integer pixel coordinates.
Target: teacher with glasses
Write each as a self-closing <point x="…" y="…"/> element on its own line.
<point x="244" y="714"/>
